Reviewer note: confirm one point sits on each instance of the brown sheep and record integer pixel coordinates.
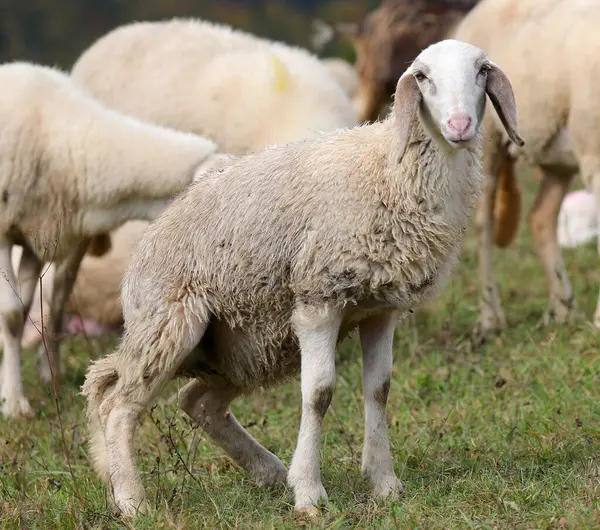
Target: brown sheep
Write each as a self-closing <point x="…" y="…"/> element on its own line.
<point x="387" y="41"/>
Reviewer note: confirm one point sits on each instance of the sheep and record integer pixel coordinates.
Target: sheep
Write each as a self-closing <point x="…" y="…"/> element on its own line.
<point x="289" y="96"/>
<point x="554" y="114"/>
<point x="70" y="168"/>
<point x="299" y="244"/>
<point x="186" y="74"/>
<point x="555" y="87"/>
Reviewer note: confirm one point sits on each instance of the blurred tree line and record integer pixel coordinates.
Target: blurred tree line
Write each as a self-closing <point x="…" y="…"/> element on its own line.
<point x="57" y="32"/>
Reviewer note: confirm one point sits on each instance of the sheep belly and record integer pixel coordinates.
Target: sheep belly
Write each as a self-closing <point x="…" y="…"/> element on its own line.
<point x="265" y="351"/>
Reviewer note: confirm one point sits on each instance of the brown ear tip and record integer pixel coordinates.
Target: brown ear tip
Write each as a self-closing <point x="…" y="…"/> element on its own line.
<point x="519" y="141"/>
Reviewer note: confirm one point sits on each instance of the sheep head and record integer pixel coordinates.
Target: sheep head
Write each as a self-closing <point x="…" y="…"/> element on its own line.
<point x="445" y="87"/>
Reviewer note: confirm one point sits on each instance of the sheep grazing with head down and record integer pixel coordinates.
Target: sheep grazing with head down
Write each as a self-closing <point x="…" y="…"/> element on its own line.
<point x="261" y="267"/>
<point x="70" y="168"/>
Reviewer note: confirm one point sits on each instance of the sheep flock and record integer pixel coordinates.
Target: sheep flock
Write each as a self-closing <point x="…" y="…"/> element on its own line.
<point x="231" y="208"/>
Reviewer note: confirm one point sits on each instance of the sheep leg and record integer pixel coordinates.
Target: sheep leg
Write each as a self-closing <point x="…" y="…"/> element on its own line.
<point x="210" y="408"/>
<point x="492" y="317"/>
<point x="13" y="311"/>
<point x="317" y="331"/>
<point x="65" y="275"/>
<point x="543" y="219"/>
<point x="592" y="181"/>
<point x="117" y="397"/>
<point x="377" y="337"/>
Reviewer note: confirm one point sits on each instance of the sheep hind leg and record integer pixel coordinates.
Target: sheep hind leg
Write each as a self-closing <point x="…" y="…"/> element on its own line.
<point x="64" y="278"/>
<point x="543" y="219"/>
<point x="377" y="336"/>
<point x="117" y="398"/>
<point x="209" y="406"/>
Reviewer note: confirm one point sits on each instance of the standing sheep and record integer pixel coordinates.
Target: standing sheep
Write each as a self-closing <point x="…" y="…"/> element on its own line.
<point x="288" y="94"/>
<point x="260" y="268"/>
<point x="555" y="85"/>
<point x="555" y="89"/>
<point x="70" y="168"/>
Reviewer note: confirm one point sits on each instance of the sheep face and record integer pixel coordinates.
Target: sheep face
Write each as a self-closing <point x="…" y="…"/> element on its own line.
<point x="446" y="86"/>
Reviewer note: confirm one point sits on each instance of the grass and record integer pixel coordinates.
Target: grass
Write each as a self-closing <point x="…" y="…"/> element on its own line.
<point x="504" y="435"/>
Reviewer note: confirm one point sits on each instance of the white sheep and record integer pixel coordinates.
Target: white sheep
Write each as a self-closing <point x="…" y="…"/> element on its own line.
<point x="288" y="94"/>
<point x="260" y="268"/>
<point x="70" y="168"/>
<point x="555" y="83"/>
<point x="241" y="91"/>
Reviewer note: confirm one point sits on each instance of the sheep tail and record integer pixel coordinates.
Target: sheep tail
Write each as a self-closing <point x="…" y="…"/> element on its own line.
<point x="101" y="376"/>
<point x="281" y="75"/>
<point x="507" y="205"/>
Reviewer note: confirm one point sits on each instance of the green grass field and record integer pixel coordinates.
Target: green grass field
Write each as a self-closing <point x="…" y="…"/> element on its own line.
<point x="504" y="435"/>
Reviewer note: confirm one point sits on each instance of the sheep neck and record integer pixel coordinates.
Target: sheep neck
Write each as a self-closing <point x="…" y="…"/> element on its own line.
<point x="434" y="179"/>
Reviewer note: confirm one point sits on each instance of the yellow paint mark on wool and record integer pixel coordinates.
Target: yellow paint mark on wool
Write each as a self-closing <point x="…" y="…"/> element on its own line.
<point x="282" y="75"/>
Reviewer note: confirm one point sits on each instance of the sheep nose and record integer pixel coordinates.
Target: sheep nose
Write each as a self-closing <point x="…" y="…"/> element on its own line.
<point x="460" y="124"/>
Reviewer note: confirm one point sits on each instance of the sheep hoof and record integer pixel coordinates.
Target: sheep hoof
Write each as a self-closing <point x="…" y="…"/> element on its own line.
<point x="387" y="487"/>
<point x="129" y="507"/>
<point x="17" y="407"/>
<point x="272" y="475"/>
<point x="310" y="511"/>
<point x="308" y="498"/>
<point x="560" y="313"/>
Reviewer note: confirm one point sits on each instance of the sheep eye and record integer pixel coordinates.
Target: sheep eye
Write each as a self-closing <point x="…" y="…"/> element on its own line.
<point x="420" y="76"/>
<point x="484" y="70"/>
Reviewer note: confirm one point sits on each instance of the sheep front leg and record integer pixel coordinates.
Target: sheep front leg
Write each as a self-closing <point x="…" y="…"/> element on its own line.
<point x="64" y="279"/>
<point x="12" y="320"/>
<point x="317" y="331"/>
<point x="377" y="337"/>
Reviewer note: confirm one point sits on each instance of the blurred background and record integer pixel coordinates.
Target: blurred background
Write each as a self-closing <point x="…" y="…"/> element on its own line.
<point x="56" y="32"/>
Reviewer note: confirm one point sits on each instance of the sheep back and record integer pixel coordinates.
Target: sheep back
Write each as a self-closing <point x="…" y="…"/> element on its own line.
<point x="241" y="91"/>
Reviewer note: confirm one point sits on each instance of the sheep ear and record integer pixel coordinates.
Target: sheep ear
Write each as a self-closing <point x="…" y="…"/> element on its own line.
<point x="502" y="97"/>
<point x="407" y="101"/>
